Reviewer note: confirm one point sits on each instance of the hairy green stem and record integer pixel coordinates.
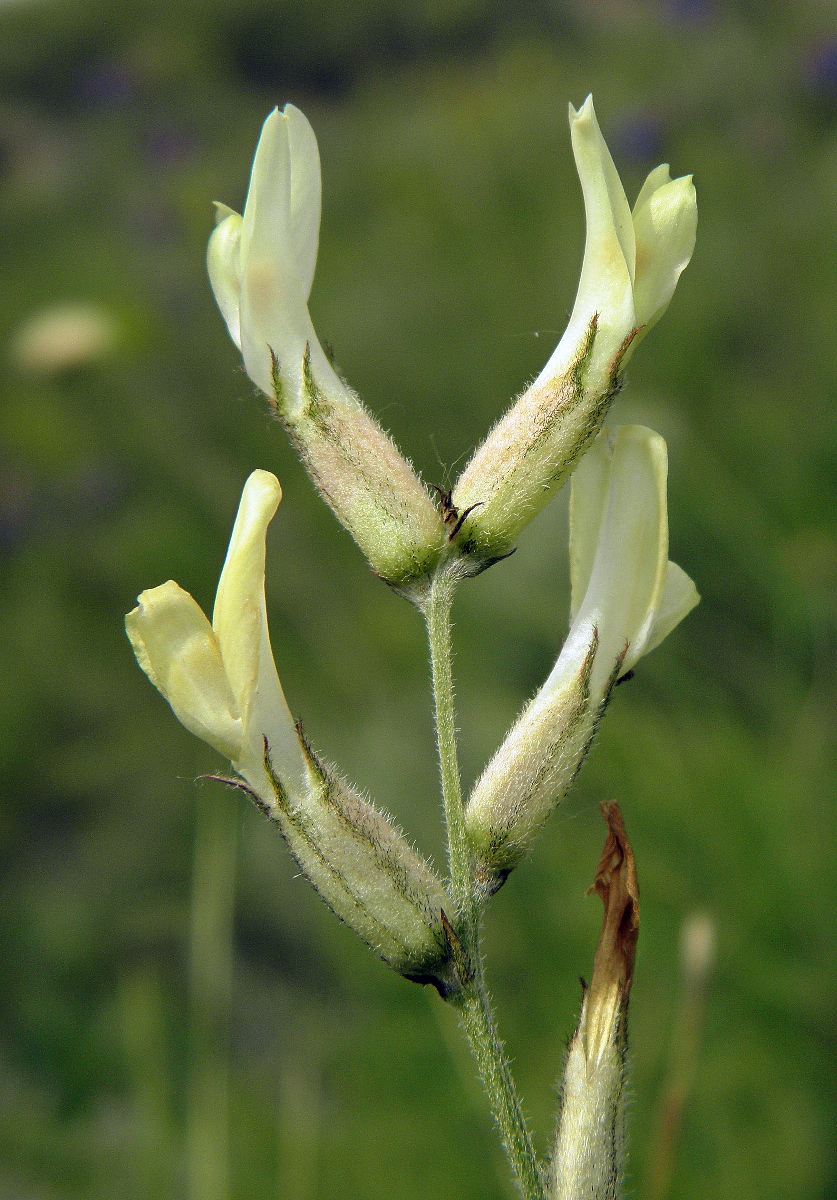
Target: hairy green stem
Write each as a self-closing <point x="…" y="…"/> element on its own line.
<point x="478" y="1021"/>
<point x="473" y="1002"/>
<point x="437" y="615"/>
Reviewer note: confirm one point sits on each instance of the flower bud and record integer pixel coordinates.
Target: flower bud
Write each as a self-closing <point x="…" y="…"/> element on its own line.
<point x="261" y="266"/>
<point x="632" y="262"/>
<point x="587" y="1163"/>
<point x="626" y="597"/>
<point x="221" y="682"/>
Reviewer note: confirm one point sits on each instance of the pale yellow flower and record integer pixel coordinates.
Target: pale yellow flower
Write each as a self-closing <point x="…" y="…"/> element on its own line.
<point x="220" y="679"/>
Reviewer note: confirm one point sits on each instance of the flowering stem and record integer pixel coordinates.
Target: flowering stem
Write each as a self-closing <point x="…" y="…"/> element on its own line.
<point x="473" y="1003"/>
<point x="478" y="1021"/>
<point x="437" y="615"/>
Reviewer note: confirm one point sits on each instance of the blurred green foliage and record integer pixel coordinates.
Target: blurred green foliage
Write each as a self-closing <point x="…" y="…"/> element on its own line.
<point x="451" y="242"/>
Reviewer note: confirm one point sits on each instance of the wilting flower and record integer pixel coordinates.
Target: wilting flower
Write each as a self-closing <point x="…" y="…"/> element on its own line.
<point x="626" y="597"/>
<point x="587" y="1163"/>
<point x="221" y="682"/>
<point x="632" y="261"/>
<point x="261" y="266"/>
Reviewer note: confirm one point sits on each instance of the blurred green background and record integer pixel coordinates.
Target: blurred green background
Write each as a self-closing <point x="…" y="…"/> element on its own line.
<point x="141" y="916"/>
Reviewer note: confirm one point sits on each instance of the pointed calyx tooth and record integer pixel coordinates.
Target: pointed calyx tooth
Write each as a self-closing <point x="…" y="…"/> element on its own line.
<point x="367" y="873"/>
<point x="588" y="1160"/>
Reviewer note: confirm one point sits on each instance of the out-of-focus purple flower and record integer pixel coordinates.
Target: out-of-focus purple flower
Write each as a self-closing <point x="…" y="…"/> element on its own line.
<point x="639" y="137"/>
<point x="166" y="145"/>
<point x="108" y="85"/>
<point x="821" y="71"/>
<point x="689" y="10"/>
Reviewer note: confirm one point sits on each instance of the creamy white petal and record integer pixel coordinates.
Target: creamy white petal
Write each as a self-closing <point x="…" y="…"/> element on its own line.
<point x="239" y="620"/>
<point x="656" y="179"/>
<point x="619" y="548"/>
<point x="604" y="196"/>
<point x="588" y="499"/>
<point x="629" y="569"/>
<point x="666" y="225"/>
<point x="267" y="210"/>
<point x="176" y="647"/>
<point x="679" y="598"/>
<point x="274" y="313"/>
<point x="605" y="289"/>
<point x="306" y="194"/>
<point x="625" y="583"/>
<point x="223" y="261"/>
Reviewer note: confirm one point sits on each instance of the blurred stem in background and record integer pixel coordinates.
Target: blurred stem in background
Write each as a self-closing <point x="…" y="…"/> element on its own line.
<point x="697" y="955"/>
<point x="142" y="1002"/>
<point x="210" y="990"/>
<point x="300" y="1109"/>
